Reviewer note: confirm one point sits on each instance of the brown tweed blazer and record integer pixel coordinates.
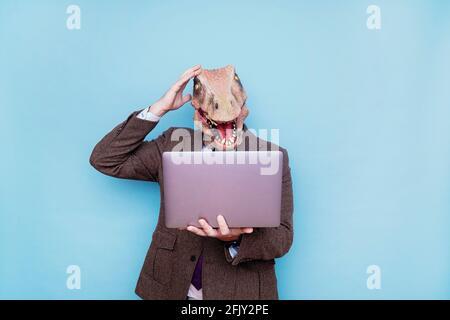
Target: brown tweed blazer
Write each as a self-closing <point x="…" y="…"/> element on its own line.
<point x="172" y="256"/>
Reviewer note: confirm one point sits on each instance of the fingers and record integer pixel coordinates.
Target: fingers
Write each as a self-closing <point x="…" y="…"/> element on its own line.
<point x="224" y="232"/>
<point x="192" y="69"/>
<point x="223" y="226"/>
<point x="207" y="228"/>
<point x="186" y="98"/>
<point x="186" y="76"/>
<point x="196" y="231"/>
<point x="246" y="230"/>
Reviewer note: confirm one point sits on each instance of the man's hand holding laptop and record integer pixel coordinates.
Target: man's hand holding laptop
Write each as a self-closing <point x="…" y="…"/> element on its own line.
<point x="223" y="233"/>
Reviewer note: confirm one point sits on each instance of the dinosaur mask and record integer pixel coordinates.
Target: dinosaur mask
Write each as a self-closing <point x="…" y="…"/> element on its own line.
<point x="219" y="101"/>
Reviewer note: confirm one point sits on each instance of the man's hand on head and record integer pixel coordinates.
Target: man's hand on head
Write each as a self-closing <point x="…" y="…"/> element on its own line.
<point x="173" y="99"/>
<point x="223" y="233"/>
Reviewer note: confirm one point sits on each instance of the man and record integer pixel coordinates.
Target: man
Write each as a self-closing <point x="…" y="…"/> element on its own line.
<point x="199" y="263"/>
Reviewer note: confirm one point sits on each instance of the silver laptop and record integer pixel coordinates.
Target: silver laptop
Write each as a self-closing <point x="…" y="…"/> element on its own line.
<point x="243" y="186"/>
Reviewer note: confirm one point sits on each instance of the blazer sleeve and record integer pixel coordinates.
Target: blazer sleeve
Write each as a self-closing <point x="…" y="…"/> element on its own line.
<point x="270" y="243"/>
<point x="123" y="153"/>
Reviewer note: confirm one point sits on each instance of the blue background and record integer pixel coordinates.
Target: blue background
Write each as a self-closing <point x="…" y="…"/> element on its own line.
<point x="364" y="114"/>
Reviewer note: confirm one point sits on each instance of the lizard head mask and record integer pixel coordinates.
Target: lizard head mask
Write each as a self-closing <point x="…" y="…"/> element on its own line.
<point x="220" y="110"/>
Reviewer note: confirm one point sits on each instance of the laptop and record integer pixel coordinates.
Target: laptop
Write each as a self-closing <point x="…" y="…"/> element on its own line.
<point x="243" y="186"/>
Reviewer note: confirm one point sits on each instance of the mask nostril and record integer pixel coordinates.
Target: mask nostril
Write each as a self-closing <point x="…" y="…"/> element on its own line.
<point x="216" y="106"/>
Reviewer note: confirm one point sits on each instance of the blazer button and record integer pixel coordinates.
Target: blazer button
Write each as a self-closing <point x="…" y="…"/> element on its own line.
<point x="193" y="258"/>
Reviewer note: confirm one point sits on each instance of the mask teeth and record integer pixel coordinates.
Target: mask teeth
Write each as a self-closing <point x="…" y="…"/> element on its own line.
<point x="224" y="142"/>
